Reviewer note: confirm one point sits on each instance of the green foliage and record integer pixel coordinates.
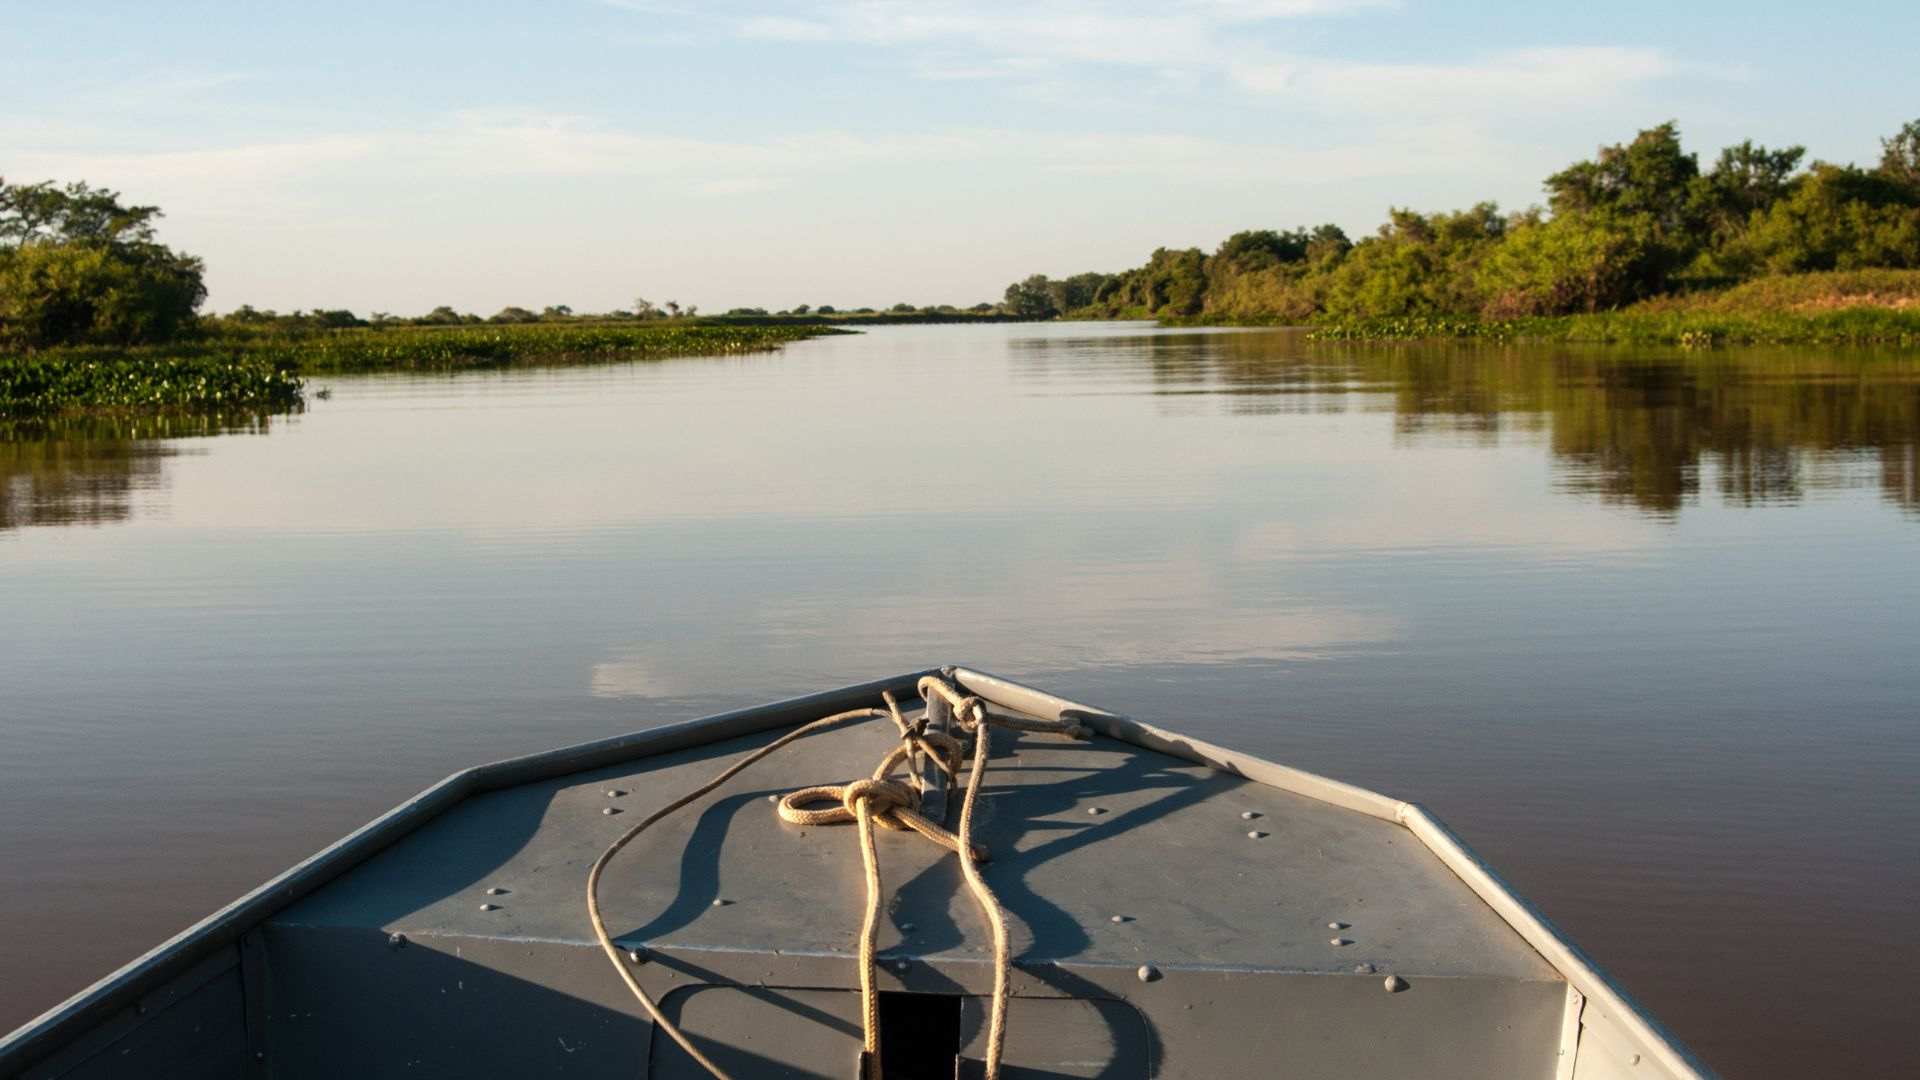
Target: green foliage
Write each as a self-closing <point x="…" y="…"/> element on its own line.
<point x="1418" y="264"/>
<point x="78" y="267"/>
<point x="1747" y="180"/>
<point x="53" y="382"/>
<point x="1813" y="292"/>
<point x="264" y="369"/>
<point x="1031" y="299"/>
<point x="1651" y="175"/>
<point x="1846" y="326"/>
<point x="501" y="345"/>
<point x="1639" y="220"/>
<point x="1900" y="156"/>
<point x="1572" y="262"/>
<point x="1836" y="218"/>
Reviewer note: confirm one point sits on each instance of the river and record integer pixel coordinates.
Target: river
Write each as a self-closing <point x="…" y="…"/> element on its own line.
<point x="1641" y="626"/>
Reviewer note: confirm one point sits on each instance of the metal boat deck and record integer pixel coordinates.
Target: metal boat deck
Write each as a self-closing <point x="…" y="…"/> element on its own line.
<point x="1177" y="911"/>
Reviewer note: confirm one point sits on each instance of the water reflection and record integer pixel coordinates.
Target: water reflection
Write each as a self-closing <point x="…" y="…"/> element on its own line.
<point x="1645" y="429"/>
<point x="89" y="470"/>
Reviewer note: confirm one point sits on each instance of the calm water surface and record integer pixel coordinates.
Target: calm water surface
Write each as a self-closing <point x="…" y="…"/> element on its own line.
<point x="1642" y="627"/>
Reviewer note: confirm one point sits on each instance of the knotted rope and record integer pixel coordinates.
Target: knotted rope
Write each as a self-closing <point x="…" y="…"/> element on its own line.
<point x="877" y="799"/>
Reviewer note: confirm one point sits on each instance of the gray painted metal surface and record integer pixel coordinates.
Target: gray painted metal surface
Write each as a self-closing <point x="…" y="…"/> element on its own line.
<point x="1178" y="910"/>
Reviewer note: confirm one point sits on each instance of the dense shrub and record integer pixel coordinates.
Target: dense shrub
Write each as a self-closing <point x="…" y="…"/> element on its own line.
<point x="1638" y="220"/>
<point x="77" y="267"/>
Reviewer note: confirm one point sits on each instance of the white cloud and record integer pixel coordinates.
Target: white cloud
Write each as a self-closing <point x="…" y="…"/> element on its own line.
<point x="1153" y="34"/>
<point x="560" y="146"/>
<point x="783" y="28"/>
<point x="1515" y="81"/>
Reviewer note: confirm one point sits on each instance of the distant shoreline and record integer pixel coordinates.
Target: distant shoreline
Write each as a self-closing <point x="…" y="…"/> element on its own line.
<point x="268" y="371"/>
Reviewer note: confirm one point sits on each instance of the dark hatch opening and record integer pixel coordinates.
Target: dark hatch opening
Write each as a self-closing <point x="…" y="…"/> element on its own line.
<point x="919" y="1035"/>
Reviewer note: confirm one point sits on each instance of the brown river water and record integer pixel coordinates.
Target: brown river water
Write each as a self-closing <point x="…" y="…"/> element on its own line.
<point x="1641" y="626"/>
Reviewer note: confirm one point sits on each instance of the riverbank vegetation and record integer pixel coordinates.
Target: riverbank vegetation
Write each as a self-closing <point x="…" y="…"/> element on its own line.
<point x="1642" y="231"/>
<point x="268" y="370"/>
<point x="97" y="315"/>
<point x="1861" y="307"/>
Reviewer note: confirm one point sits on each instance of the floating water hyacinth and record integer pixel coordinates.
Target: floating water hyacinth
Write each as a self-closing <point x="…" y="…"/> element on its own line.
<point x="266" y="371"/>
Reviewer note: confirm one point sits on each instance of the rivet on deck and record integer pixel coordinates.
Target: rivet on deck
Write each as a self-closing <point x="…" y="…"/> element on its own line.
<point x="1364" y="969"/>
<point x="1635" y="1060"/>
<point x="489" y="907"/>
<point x="1121" y="918"/>
<point x="1249" y="815"/>
<point x="721" y="901"/>
<point x="905" y="926"/>
<point x="636" y="956"/>
<point x="1395" y="984"/>
<point x="496" y="891"/>
<point x="1256" y="835"/>
<point x="1096" y="811"/>
<point x="901" y="966"/>
<point x="396" y="941"/>
<point x="610" y="811"/>
<point x="1148" y="973"/>
<point x="1339" y="941"/>
<point x="1338" y="925"/>
<point x="614" y="793"/>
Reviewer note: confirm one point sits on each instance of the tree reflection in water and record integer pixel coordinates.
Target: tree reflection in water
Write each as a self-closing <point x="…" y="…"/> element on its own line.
<point x="1638" y="428"/>
<point x="88" y="470"/>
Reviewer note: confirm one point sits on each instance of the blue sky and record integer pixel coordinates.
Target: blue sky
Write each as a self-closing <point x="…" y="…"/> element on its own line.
<point x="397" y="156"/>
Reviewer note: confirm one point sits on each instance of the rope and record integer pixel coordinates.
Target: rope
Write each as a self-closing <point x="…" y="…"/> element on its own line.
<point x="600" y="866"/>
<point x="989" y="905"/>
<point x="875" y="800"/>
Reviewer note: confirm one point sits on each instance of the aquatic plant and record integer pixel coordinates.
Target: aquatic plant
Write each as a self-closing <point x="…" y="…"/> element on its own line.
<point x="265" y="370"/>
<point x="1693" y="329"/>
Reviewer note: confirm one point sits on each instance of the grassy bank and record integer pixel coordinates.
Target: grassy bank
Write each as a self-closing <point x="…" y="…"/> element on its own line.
<point x="1864" y="307"/>
<point x="266" y="370"/>
<point x="468" y="348"/>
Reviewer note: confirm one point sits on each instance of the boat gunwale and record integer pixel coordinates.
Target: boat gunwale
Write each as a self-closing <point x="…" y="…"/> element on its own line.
<point x="1584" y="976"/>
<point x="52" y="1031"/>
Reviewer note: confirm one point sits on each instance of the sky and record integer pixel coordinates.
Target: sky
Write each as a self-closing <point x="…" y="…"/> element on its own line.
<point x="395" y="157"/>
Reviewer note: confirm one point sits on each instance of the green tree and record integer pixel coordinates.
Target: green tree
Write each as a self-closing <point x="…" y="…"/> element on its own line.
<point x="1076" y="292"/>
<point x="77" y="266"/>
<point x="1747" y="179"/>
<point x="1838" y="218"/>
<point x="513" y="315"/>
<point x="1652" y="188"/>
<point x="1651" y="175"/>
<point x="1031" y="298"/>
<point x="1419" y="264"/>
<point x="1570" y="263"/>
<point x="1900" y="156"/>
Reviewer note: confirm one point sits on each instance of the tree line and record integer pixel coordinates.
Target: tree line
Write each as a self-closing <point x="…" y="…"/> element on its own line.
<point x="1640" y="219"/>
<point x="80" y="267"/>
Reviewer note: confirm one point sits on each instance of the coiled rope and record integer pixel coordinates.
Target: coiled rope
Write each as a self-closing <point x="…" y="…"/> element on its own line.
<point x="892" y="805"/>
